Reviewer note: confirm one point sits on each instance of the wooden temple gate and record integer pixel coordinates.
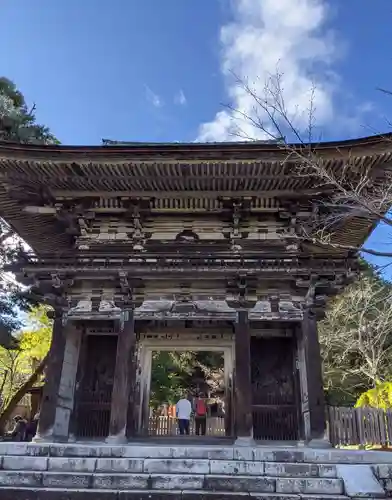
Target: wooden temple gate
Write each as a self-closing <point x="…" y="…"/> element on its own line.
<point x="203" y="238"/>
<point x="274" y="385"/>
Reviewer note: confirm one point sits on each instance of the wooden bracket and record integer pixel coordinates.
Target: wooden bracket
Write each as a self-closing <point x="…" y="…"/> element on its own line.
<point x="241" y="292"/>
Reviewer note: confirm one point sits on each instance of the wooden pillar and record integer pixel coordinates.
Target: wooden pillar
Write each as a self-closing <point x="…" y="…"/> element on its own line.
<point x="66" y="393"/>
<point x="46" y="423"/>
<point x="311" y="381"/>
<point x="123" y="378"/>
<point x="80" y="370"/>
<point x="242" y="385"/>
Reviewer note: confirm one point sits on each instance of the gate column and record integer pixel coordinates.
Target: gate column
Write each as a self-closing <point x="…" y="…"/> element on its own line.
<point x="60" y="374"/>
<point x="124" y="375"/>
<point x="45" y="430"/>
<point x="311" y="381"/>
<point x="242" y="385"/>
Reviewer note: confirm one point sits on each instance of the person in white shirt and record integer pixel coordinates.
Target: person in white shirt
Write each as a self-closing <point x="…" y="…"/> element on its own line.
<point x="183" y="413"/>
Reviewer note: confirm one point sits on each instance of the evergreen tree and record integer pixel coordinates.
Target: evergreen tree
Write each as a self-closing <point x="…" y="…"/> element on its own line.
<point x="17" y="124"/>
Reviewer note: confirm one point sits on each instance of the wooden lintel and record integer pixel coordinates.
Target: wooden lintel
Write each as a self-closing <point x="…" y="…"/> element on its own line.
<point x="40" y="210"/>
<point x="184" y="194"/>
<point x="102" y="273"/>
<point x="268" y="318"/>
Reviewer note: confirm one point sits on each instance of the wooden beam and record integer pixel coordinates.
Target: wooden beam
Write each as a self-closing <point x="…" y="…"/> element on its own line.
<point x="33" y="209"/>
<point x="242" y="384"/>
<point x="123" y="378"/>
<point x="287" y="193"/>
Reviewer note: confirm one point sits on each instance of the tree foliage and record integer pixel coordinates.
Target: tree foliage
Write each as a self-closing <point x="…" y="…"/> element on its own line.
<point x="17" y="365"/>
<point x="378" y="397"/>
<point x="18" y="124"/>
<point x="177" y="373"/>
<point x="356" y="339"/>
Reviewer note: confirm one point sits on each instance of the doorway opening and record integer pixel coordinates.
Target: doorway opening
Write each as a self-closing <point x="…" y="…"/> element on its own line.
<point x="194" y="375"/>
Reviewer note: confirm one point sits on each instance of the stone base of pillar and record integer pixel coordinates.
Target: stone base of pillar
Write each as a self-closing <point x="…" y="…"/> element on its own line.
<point x="49" y="437"/>
<point x="244" y="441"/>
<point x="72" y="438"/>
<point x="320" y="443"/>
<point x="120" y="439"/>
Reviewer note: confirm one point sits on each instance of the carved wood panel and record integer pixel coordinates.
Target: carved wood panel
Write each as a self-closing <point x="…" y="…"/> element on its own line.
<point x="95" y="387"/>
<point x="275" y="400"/>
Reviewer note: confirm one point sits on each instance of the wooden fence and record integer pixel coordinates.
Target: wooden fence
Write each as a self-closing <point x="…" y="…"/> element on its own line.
<point x="359" y="426"/>
<point x="168" y="426"/>
<point x="346" y="427"/>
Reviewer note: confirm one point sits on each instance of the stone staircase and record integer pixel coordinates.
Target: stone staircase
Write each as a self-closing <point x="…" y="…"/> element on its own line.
<point x="134" y="472"/>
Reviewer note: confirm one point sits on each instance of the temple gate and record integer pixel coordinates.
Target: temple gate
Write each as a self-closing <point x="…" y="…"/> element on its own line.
<point x="198" y="245"/>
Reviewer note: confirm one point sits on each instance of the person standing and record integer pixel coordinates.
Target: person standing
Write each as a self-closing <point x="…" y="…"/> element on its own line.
<point x="19" y="430"/>
<point x="183" y="414"/>
<point x="200" y="408"/>
<point x="31" y="428"/>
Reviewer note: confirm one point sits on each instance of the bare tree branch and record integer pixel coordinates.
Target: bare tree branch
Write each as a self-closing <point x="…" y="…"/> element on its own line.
<point x="356" y="336"/>
<point x="356" y="190"/>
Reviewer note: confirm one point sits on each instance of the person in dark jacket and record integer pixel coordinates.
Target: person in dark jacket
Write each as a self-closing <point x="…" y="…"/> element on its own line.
<point x="18" y="432"/>
<point x="31" y="428"/>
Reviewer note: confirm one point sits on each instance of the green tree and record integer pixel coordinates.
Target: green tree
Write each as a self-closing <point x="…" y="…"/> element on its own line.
<point x="175" y="373"/>
<point x="378" y="397"/>
<point x="22" y="367"/>
<point x="17" y="124"/>
<point x="167" y="378"/>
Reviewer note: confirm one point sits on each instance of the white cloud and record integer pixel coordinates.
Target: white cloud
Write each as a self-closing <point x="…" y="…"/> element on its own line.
<point x="267" y="36"/>
<point x="153" y="98"/>
<point x="180" y="98"/>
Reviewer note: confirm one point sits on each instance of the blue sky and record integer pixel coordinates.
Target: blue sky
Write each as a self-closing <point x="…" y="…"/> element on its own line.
<point x="154" y="70"/>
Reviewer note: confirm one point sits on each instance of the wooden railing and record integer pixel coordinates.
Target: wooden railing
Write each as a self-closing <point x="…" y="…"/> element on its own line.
<point x="346" y="426"/>
<point x="168" y="426"/>
<point x="359" y="426"/>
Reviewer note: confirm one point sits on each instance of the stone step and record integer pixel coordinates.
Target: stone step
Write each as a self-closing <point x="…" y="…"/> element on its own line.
<point x="143" y="481"/>
<point x="93" y="494"/>
<point x="168" y="466"/>
<point x="257" y="454"/>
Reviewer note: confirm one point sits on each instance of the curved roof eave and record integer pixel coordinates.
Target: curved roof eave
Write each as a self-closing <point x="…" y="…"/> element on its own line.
<point x="365" y="146"/>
